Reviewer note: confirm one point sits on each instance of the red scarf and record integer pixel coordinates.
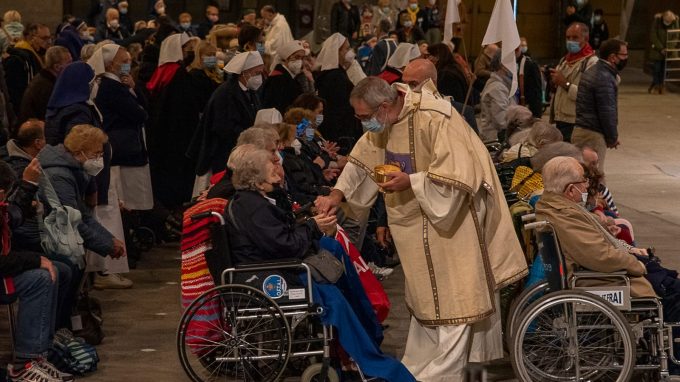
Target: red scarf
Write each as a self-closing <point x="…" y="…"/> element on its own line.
<point x="587" y="51"/>
<point x="162" y="77"/>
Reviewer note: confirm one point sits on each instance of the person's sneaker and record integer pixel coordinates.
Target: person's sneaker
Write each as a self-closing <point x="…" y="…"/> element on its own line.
<point x="53" y="371"/>
<point x="380" y="272"/>
<point x="30" y="373"/>
<point x="112" y="281"/>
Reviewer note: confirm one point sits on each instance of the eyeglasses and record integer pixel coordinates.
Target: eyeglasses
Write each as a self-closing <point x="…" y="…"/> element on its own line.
<point x="367" y="117"/>
<point x="585" y="180"/>
<point x="95" y="155"/>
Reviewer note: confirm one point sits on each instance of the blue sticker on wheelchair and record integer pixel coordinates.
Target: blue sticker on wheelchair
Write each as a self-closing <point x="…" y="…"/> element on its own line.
<point x="274" y="286"/>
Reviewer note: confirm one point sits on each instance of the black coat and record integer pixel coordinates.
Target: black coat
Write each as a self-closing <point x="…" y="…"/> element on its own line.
<point x="280" y="90"/>
<point x="230" y="110"/>
<point x="57" y="125"/>
<point x="339" y="121"/>
<point x="452" y="82"/>
<point x="38" y="92"/>
<point x="596" y="107"/>
<point x="382" y="51"/>
<point x="124" y="120"/>
<point x="343" y="20"/>
<point x="20" y="67"/>
<point x="175" y="116"/>
<point x="305" y="179"/>
<point x="265" y="232"/>
<point x="533" y="87"/>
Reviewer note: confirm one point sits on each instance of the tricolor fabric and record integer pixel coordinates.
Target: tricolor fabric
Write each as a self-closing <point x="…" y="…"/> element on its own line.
<point x="502" y="27"/>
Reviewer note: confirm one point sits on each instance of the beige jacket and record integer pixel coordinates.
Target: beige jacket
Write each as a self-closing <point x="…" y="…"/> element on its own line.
<point x="563" y="107"/>
<point x="584" y="244"/>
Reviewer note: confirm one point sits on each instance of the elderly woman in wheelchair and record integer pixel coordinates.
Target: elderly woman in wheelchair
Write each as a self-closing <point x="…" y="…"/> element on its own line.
<point x="272" y="281"/>
<point x="599" y="317"/>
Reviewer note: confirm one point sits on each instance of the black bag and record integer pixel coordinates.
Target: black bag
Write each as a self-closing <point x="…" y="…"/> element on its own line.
<point x="87" y="320"/>
<point x="325" y="267"/>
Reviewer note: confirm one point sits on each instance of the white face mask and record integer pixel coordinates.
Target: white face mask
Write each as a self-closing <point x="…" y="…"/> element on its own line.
<point x="254" y="82"/>
<point x="114" y="24"/>
<point x="93" y="166"/>
<point x="295" y="66"/>
<point x="584" y="196"/>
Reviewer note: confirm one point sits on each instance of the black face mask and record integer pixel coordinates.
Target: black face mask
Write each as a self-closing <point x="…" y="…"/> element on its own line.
<point x="621" y="64"/>
<point x="189" y="58"/>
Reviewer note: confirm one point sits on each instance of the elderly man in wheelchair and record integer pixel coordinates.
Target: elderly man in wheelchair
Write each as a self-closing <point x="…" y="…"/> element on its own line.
<point x="280" y="274"/>
<point x="601" y="319"/>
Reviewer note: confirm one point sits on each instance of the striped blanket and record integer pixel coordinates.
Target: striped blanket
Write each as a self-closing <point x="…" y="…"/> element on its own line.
<point x="195" y="276"/>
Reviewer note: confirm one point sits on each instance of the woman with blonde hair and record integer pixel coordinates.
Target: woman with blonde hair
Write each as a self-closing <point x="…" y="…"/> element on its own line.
<point x="204" y="71"/>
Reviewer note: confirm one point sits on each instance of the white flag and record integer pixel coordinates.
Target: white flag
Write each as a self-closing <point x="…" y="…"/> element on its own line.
<point x="502" y="27"/>
<point x="452" y="16"/>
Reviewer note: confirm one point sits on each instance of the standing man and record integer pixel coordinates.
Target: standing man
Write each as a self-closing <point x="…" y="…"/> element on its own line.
<point x="566" y="77"/>
<point x="345" y="19"/>
<point x="212" y="16"/>
<point x="25" y="61"/>
<point x="447" y="215"/>
<point x="277" y="32"/>
<point x="596" y="108"/>
<point x="39" y="90"/>
<point x="382" y="51"/>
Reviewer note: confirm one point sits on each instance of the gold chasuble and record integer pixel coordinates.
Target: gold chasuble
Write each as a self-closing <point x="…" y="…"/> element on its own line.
<point x="452" y="228"/>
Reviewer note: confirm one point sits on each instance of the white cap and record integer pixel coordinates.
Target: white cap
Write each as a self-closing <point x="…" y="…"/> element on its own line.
<point x="289" y="48"/>
<point x="103" y="57"/>
<point x="404" y="54"/>
<point x="243" y="61"/>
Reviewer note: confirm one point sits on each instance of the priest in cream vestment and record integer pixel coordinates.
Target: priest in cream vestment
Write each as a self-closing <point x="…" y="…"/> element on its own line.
<point x="448" y="217"/>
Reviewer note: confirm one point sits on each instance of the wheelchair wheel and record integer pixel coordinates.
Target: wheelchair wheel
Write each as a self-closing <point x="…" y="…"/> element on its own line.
<point x="572" y="336"/>
<point x="233" y="333"/>
<point x="312" y="374"/>
<point x="518" y="306"/>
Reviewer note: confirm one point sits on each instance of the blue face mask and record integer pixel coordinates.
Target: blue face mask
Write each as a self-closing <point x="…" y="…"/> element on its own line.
<point x="260" y="48"/>
<point x="309" y="133"/>
<point x="210" y="62"/>
<point x="124" y="70"/>
<point x="319" y="120"/>
<point x="185" y="26"/>
<point x="573" y="47"/>
<point x="373" y="125"/>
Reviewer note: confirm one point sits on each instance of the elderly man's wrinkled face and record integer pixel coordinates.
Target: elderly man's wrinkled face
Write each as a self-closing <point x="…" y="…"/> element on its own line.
<point x="577" y="191"/>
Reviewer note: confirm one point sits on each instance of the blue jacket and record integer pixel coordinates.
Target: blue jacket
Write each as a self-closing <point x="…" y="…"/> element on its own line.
<point x="596" y="100"/>
<point x="70" y="183"/>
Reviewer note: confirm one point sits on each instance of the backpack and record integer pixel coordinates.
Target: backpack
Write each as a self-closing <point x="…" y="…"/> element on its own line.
<point x="58" y="230"/>
<point x="72" y="354"/>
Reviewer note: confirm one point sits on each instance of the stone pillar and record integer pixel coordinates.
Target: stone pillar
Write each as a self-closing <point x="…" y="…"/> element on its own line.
<point x="48" y="12"/>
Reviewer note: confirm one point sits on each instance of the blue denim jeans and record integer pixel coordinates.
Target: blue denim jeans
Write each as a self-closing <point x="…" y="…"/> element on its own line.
<point x="37" y="296"/>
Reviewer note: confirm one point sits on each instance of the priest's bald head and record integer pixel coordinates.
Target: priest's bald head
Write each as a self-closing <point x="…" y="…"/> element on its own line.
<point x="417" y="72"/>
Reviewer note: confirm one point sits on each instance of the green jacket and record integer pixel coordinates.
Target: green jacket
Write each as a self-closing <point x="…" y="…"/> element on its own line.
<point x="658" y="37"/>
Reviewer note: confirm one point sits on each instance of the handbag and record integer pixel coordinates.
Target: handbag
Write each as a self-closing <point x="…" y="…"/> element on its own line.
<point x="325" y="267"/>
<point x="59" y="230"/>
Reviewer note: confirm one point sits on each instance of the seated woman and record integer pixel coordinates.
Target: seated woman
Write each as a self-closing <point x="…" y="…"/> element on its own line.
<point x="259" y="230"/>
<point x="539" y="135"/>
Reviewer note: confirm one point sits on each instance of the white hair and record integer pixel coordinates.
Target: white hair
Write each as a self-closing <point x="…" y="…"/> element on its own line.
<point x="559" y="172"/>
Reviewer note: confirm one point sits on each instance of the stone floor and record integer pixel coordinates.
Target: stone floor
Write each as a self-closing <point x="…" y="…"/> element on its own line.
<point x="643" y="174"/>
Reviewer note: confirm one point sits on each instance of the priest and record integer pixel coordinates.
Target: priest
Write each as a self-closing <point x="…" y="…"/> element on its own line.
<point x="448" y="218"/>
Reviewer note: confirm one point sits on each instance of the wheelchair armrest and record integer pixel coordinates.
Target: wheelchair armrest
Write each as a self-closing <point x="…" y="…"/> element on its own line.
<point x="579" y="275"/>
<point x="270" y="264"/>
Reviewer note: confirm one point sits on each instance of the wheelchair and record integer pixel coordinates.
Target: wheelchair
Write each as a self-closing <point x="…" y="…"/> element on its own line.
<point x="560" y="330"/>
<point x="257" y="323"/>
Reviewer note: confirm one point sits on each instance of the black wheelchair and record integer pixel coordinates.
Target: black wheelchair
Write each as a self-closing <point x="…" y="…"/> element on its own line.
<point x="559" y="330"/>
<point x="260" y="322"/>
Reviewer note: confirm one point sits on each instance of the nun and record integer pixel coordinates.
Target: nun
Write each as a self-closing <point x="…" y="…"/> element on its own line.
<point x="333" y="85"/>
<point x="281" y="87"/>
<point x="175" y="110"/>
<point x="404" y="54"/>
<point x="231" y="109"/>
<point x="111" y="65"/>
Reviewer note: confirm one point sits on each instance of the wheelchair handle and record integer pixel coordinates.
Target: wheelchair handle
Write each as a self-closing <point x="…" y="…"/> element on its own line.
<point x="535" y="225"/>
<point x="207" y="214"/>
<point x="528" y="217"/>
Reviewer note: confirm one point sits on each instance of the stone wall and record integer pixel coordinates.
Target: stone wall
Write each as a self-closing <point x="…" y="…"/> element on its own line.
<point x="48" y="12"/>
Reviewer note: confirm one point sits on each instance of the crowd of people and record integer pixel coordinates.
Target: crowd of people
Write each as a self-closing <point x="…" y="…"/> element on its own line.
<point x="112" y="124"/>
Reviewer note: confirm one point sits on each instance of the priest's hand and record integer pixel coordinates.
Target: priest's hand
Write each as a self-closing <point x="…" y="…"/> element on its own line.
<point x="329" y="204"/>
<point x="399" y="181"/>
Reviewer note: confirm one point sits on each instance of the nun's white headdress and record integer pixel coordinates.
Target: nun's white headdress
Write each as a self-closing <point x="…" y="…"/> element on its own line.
<point x="243" y="61"/>
<point x="328" y="57"/>
<point x="404" y="54"/>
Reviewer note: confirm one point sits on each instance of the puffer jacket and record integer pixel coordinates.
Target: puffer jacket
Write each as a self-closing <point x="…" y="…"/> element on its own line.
<point x="70" y="182"/>
<point x="27" y="235"/>
<point x="596" y="102"/>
